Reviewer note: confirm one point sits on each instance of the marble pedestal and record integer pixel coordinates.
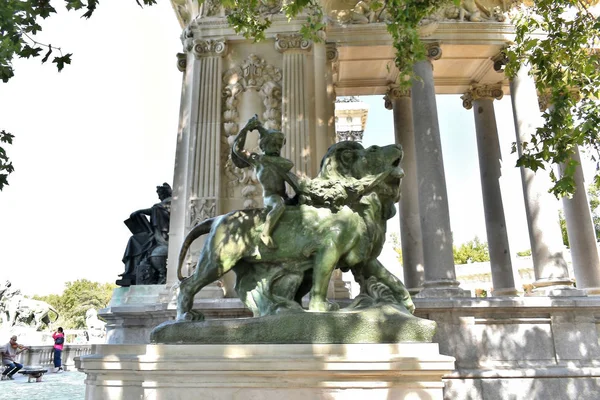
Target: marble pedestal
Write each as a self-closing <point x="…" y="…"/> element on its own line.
<point x="266" y="372"/>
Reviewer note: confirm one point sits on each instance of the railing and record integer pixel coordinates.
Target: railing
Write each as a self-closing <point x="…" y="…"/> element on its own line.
<point x="44" y="355"/>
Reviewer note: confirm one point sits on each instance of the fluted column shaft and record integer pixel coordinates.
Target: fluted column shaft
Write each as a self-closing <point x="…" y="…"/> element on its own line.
<point x="440" y="276"/>
<point x="197" y="163"/>
<point x="549" y="265"/>
<point x="582" y="235"/>
<point x="400" y="103"/>
<point x="295" y="106"/>
<point x="481" y="99"/>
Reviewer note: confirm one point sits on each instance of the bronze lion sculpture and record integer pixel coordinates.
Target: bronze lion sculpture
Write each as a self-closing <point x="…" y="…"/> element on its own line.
<point x="340" y="223"/>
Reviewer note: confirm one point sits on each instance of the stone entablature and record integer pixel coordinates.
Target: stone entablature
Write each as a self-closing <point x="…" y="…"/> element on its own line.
<point x="359" y="12"/>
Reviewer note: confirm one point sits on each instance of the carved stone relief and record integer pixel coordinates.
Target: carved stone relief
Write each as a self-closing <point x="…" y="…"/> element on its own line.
<point x="253" y="74"/>
<point x="202" y="209"/>
<point x="368" y="11"/>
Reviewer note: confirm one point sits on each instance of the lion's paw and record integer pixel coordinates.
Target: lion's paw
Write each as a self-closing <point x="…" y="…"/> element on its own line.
<point x="191" y="316"/>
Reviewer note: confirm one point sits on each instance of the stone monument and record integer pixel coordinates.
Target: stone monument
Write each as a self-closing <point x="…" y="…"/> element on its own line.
<point x="337" y="222"/>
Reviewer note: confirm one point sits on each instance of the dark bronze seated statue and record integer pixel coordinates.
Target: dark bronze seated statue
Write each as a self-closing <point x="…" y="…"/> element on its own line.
<point x="145" y="257"/>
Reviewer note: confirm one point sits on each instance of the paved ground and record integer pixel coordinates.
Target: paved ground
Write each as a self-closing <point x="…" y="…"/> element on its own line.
<point x="68" y="385"/>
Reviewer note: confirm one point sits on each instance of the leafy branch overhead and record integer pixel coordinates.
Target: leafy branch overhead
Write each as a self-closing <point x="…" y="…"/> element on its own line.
<point x="559" y="39"/>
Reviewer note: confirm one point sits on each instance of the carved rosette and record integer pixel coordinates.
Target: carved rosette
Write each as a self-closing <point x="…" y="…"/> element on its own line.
<point x="209" y="47"/>
<point x="253" y="74"/>
<point x="394" y="92"/>
<point x="481" y="92"/>
<point x="285" y="43"/>
<point x="181" y="61"/>
<point x="202" y="209"/>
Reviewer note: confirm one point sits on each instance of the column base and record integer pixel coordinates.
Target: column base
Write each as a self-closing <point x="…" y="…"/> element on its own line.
<point x="415" y="290"/>
<point x="442" y="289"/>
<point x="505" y="292"/>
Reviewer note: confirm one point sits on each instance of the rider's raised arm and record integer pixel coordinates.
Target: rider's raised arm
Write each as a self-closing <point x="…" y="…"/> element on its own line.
<point x="241" y="157"/>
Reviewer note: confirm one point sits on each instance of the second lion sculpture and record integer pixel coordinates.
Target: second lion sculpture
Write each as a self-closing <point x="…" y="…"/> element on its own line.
<point x="340" y="224"/>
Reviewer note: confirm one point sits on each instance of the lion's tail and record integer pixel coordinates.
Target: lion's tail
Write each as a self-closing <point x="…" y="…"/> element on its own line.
<point x="201" y="229"/>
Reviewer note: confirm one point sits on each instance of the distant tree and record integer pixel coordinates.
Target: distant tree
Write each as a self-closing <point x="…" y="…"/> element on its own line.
<point x="524" y="253"/>
<point x="78" y="297"/>
<point x="471" y="251"/>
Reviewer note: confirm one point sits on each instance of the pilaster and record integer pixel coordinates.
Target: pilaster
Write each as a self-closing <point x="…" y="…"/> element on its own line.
<point x="196" y="187"/>
<point x="296" y="108"/>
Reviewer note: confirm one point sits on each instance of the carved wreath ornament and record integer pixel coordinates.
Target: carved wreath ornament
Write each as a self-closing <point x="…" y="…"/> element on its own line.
<point x="253" y="74"/>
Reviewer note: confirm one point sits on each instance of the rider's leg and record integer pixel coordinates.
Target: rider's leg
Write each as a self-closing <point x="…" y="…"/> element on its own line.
<point x="276" y="207"/>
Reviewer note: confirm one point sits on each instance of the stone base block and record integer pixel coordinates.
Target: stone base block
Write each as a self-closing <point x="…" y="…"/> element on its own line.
<point x="378" y="324"/>
<point x="266" y="372"/>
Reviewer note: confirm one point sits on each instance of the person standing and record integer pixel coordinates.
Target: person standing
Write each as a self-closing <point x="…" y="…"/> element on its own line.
<point x="9" y="356"/>
<point x="59" y="340"/>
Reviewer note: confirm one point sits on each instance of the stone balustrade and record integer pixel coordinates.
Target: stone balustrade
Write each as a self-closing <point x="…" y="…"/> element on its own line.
<point x="43" y="355"/>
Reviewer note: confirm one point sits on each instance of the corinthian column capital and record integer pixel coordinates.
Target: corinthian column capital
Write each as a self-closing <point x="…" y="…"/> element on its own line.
<point x="209" y="47"/>
<point x="284" y="43"/>
<point x="481" y="92"/>
<point x="394" y="92"/>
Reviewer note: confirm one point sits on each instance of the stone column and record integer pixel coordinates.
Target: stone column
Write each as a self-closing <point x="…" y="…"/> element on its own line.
<point x="398" y="100"/>
<point x="440" y="276"/>
<point x="295" y="101"/>
<point x="550" y="267"/>
<point x="196" y="184"/>
<point x="481" y="99"/>
<point x="582" y="235"/>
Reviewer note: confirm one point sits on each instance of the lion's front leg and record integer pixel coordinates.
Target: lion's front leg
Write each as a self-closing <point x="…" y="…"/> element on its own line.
<point x="325" y="262"/>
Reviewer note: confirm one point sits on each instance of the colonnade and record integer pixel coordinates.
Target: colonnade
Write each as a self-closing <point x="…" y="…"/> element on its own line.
<point x="425" y="227"/>
<point x="294" y="82"/>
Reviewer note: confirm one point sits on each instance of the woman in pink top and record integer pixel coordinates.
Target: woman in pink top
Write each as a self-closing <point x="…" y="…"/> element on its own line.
<point x="59" y="340"/>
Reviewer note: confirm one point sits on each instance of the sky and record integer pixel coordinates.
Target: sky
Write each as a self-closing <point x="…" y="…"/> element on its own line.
<point x="93" y="142"/>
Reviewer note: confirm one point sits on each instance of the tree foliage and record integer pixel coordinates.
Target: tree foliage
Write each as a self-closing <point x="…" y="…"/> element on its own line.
<point x="470" y="252"/>
<point x="78" y="297"/>
<point x="558" y="39"/>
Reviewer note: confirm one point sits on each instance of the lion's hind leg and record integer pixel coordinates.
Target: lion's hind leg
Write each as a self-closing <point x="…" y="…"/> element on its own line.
<point x="209" y="269"/>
